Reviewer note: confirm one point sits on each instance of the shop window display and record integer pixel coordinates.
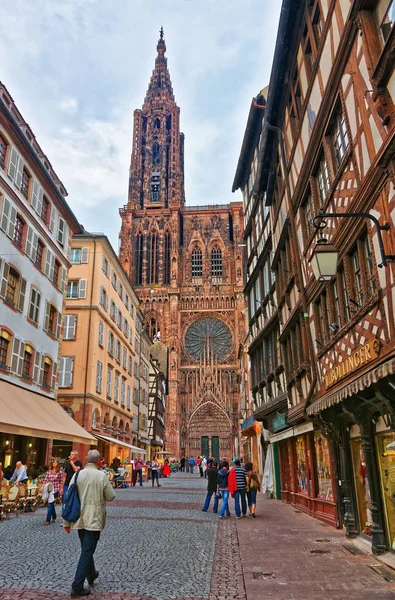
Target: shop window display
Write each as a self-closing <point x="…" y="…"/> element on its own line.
<point x="386" y="452"/>
<point x="301" y="465"/>
<point x="362" y="487"/>
<point x="323" y="457"/>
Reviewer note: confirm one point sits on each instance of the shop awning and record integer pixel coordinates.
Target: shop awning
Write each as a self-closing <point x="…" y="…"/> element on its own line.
<point x="22" y="412"/>
<point x="358" y="385"/>
<point x="111" y="440"/>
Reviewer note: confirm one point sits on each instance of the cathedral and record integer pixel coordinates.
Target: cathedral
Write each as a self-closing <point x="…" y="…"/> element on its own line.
<point x="185" y="263"/>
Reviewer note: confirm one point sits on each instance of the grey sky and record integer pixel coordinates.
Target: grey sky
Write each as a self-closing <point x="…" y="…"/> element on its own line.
<point x="77" y="69"/>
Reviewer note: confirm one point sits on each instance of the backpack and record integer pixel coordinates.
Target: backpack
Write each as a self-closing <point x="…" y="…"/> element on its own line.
<point x="71" y="508"/>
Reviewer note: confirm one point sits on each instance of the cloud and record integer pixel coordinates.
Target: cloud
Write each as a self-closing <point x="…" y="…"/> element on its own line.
<point x="77" y="70"/>
<point x="69" y="105"/>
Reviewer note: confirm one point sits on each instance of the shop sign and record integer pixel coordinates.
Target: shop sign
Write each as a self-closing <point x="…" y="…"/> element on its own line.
<point x="304" y="428"/>
<point x="282" y="436"/>
<point x="279" y="422"/>
<point x="365" y="354"/>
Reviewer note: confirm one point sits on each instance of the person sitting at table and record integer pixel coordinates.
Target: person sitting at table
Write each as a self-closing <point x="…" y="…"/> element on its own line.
<point x="20" y="474"/>
<point x="119" y="477"/>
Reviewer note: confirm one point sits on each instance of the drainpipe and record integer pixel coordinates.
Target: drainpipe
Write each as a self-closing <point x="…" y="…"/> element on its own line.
<point x="305" y="306"/>
<point x="89" y="334"/>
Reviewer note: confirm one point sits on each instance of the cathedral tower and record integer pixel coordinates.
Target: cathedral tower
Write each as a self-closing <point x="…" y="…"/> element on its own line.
<point x="186" y="266"/>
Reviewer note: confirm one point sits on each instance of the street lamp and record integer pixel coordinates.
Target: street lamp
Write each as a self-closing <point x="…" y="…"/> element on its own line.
<point x="324" y="258"/>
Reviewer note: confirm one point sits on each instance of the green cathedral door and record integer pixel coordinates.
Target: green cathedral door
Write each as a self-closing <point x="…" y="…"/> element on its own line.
<point x="215" y="447"/>
<point x="205" y="448"/>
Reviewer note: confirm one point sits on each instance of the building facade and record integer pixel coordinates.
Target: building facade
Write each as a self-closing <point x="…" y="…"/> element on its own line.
<point x="186" y="265"/>
<point x="99" y="379"/>
<point x="144" y="439"/>
<point x="36" y="225"/>
<point x="328" y="145"/>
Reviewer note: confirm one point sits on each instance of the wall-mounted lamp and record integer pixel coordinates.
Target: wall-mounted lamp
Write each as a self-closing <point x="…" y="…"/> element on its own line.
<point x="7" y="442"/>
<point x="324" y="258"/>
<point x="30" y="445"/>
<point x="334" y="327"/>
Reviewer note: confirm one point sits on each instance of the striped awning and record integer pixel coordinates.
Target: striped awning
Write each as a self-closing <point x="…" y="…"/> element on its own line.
<point x="358" y="385"/>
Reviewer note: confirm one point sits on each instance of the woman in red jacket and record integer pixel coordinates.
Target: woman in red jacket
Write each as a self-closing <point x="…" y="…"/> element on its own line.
<point x="166" y="469"/>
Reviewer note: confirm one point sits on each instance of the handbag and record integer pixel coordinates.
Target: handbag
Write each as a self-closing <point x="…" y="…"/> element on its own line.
<point x="71" y="509"/>
<point x="218" y="495"/>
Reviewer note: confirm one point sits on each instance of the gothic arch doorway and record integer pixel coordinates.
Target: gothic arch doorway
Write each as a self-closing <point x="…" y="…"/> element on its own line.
<point x="210" y="430"/>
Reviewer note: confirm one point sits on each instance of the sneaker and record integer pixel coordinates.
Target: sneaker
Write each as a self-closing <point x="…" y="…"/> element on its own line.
<point x="253" y="514"/>
<point x="91" y="580"/>
<point x="238" y="517"/>
<point x="81" y="592"/>
<point x="204" y="510"/>
<point x="244" y="516"/>
<point x="221" y="517"/>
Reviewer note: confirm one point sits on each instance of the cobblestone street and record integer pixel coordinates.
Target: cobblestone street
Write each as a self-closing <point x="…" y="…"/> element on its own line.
<point x="159" y="545"/>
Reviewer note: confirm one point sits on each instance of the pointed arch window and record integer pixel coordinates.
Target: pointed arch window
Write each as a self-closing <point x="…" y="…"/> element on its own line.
<point x="197" y="263"/>
<point x="156" y="154"/>
<point x="152" y="258"/>
<point x="139" y="258"/>
<point x="167" y="255"/>
<point x="216" y="262"/>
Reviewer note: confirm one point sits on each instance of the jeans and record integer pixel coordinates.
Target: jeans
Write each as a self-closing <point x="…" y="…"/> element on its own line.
<point x="191" y="468"/>
<point x="137" y="473"/>
<point x="51" y="512"/>
<point x="251" y="497"/>
<point x="155" y="476"/>
<point x="225" y="503"/>
<point x="240" y="495"/>
<point x="86" y="565"/>
<point x="208" y="500"/>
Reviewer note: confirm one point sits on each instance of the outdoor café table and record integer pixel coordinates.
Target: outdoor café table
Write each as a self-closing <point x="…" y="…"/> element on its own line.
<point x="30" y="495"/>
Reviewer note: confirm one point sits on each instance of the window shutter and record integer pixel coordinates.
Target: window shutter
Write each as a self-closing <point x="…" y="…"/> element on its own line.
<point x="18" y="349"/>
<point x="63" y="280"/>
<point x="61" y="231"/>
<point x="29" y="242"/>
<point x="109" y="342"/>
<point x="34" y="200"/>
<point x="47" y="309"/>
<point x="49" y="264"/>
<point x="101" y="300"/>
<point x="66" y="371"/>
<point x="12" y="167"/>
<point x="37" y="371"/>
<point x="54" y="372"/>
<point x="5" y="216"/>
<point x="82" y="288"/>
<point x="58" y="324"/>
<point x="69" y="327"/>
<point x="11" y="222"/>
<point x="99" y="377"/>
<point x="106" y="303"/>
<point x="4" y="280"/>
<point x="19" y="173"/>
<point x="101" y="333"/>
<point x="52" y="218"/>
<point x="34" y="246"/>
<point x="84" y="255"/>
<point x="22" y="294"/>
<point x="40" y="200"/>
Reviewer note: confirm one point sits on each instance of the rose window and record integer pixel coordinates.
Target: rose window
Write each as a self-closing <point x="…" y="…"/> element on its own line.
<point x="208" y="335"/>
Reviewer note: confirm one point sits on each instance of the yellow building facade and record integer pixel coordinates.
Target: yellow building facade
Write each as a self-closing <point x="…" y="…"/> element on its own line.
<point x="100" y="364"/>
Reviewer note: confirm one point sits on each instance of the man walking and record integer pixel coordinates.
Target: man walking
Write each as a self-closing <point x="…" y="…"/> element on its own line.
<point x="212" y="488"/>
<point x="138" y="470"/>
<point x="191" y="463"/>
<point x="94" y="490"/>
<point x="240" y="493"/>
<point x="70" y="469"/>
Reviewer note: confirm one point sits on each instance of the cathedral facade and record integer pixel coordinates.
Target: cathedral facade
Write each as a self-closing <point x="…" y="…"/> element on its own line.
<point x="185" y="263"/>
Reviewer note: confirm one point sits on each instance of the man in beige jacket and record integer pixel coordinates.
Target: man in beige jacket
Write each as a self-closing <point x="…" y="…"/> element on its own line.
<point x="94" y="490"/>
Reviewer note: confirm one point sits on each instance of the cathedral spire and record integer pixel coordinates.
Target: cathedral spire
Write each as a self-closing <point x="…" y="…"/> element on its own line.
<point x="160" y="79"/>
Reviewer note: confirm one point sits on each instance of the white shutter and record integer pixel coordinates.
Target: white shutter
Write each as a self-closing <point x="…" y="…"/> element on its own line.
<point x="40" y="200"/>
<point x="22" y="294"/>
<point x="63" y="280"/>
<point x="54" y="371"/>
<point x="106" y="302"/>
<point x="84" y="255"/>
<point x="101" y="299"/>
<point x="47" y="310"/>
<point x="49" y="264"/>
<point x="5" y="216"/>
<point x="66" y="371"/>
<point x="52" y="218"/>
<point x="109" y="344"/>
<point x="18" y="350"/>
<point x="82" y="288"/>
<point x="34" y="246"/>
<point x="109" y="383"/>
<point x="101" y="333"/>
<point x="99" y="377"/>
<point x="58" y="324"/>
<point x="19" y="173"/>
<point x="29" y="242"/>
<point x="61" y="231"/>
<point x="13" y="166"/>
<point x="70" y="322"/>
<point x="34" y="200"/>
<point x="11" y="223"/>
<point x="4" y="280"/>
<point x="38" y="370"/>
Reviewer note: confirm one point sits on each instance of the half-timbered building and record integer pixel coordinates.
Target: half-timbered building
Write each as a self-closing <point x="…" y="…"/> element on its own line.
<point x="328" y="145"/>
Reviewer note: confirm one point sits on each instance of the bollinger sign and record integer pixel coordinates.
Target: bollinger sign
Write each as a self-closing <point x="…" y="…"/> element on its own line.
<point x="365" y="354"/>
